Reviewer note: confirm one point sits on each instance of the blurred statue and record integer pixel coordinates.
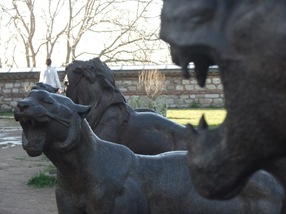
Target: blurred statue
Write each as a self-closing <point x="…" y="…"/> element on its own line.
<point x="246" y="40"/>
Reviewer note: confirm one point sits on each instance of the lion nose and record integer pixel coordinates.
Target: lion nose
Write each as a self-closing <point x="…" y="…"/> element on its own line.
<point x="22" y="105"/>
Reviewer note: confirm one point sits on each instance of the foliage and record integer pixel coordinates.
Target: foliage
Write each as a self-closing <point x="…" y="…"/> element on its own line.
<point x="42" y="180"/>
<point x="194" y="105"/>
<point x="152" y="82"/>
<point x="159" y="104"/>
<point x="46" y="177"/>
<point x="7" y="114"/>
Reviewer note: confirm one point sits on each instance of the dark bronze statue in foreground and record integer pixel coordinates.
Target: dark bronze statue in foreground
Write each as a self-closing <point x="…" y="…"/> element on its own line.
<point x="246" y="39"/>
<point x="96" y="176"/>
<point x="111" y="118"/>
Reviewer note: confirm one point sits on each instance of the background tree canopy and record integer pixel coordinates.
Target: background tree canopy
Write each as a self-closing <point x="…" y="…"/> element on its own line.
<point x="118" y="31"/>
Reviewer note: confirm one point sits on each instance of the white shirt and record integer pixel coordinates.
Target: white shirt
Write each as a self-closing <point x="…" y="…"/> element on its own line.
<point x="50" y="76"/>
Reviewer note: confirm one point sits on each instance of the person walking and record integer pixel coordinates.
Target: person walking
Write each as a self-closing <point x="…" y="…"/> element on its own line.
<point x="50" y="76"/>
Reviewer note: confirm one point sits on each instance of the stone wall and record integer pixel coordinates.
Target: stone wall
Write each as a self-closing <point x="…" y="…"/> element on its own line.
<point x="179" y="92"/>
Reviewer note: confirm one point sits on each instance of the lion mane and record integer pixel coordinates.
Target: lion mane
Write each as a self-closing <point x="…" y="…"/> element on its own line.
<point x="92" y="82"/>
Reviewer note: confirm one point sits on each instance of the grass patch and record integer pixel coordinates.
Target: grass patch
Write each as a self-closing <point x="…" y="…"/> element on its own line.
<point x="42" y="180"/>
<point x="7" y="114"/>
<point x="214" y="117"/>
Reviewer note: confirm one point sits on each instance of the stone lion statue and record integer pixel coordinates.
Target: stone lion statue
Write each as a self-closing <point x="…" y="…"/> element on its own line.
<point x="246" y="40"/>
<point x="111" y="118"/>
<point x="97" y="176"/>
<point x="44" y="86"/>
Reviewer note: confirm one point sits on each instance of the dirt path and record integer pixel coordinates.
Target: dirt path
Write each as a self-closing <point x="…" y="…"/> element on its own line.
<point x="16" y="168"/>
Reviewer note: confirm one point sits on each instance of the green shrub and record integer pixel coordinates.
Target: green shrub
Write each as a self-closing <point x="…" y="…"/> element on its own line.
<point x="158" y="104"/>
<point x="42" y="180"/>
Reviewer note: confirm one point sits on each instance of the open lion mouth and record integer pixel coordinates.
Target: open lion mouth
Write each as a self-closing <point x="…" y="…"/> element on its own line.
<point x="29" y="120"/>
<point x="201" y="59"/>
<point x="34" y="133"/>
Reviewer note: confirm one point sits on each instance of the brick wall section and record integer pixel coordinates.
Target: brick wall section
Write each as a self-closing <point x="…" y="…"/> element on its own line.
<point x="179" y="92"/>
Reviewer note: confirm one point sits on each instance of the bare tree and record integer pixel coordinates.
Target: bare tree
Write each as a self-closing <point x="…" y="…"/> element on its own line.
<point x="119" y="31"/>
<point x="83" y="15"/>
<point x="133" y="40"/>
<point x="24" y="23"/>
<point x="51" y="19"/>
<point x="152" y="81"/>
<point x="9" y="37"/>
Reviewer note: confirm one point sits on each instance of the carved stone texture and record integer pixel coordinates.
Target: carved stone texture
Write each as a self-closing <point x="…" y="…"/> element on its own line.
<point x="44" y="86"/>
<point x="111" y="118"/>
<point x="246" y="39"/>
<point x="96" y="176"/>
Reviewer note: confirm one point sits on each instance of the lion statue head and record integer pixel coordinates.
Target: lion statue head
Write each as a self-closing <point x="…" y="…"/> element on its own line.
<point x="93" y="82"/>
<point x="49" y="120"/>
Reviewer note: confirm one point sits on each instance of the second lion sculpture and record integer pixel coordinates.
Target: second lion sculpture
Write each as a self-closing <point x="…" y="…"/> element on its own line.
<point x="111" y="118"/>
<point x="96" y="176"/>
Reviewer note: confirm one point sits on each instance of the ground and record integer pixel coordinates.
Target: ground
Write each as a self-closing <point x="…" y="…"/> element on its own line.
<point x="16" y="168"/>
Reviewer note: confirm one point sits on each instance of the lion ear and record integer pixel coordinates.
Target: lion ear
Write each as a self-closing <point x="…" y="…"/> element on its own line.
<point x="82" y="110"/>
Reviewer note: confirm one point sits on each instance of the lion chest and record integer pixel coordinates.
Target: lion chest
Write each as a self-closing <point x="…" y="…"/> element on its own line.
<point x="102" y="197"/>
<point x="94" y="200"/>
